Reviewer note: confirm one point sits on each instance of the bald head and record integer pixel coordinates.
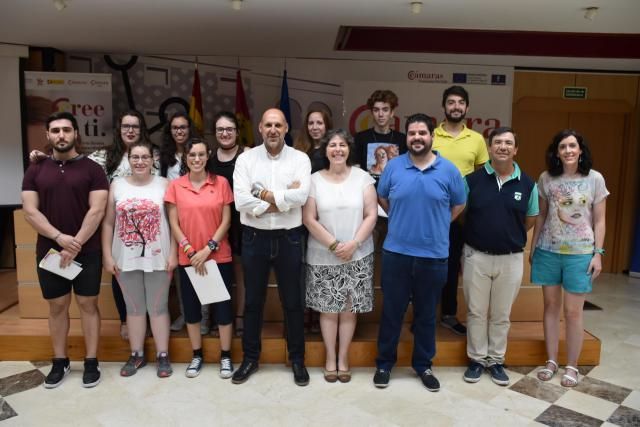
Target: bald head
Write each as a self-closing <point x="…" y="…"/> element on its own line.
<point x="273" y="127"/>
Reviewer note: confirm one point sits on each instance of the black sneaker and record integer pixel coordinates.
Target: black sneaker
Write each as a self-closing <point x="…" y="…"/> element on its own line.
<point x="452" y="323"/>
<point x="300" y="374"/>
<point x="59" y="370"/>
<point x="132" y="365"/>
<point x="498" y="375"/>
<point x="91" y="375"/>
<point x="381" y="378"/>
<point x="473" y="372"/>
<point x="246" y="369"/>
<point x="430" y="381"/>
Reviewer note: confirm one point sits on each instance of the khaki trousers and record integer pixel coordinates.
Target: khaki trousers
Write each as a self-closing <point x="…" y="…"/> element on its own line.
<point x="491" y="284"/>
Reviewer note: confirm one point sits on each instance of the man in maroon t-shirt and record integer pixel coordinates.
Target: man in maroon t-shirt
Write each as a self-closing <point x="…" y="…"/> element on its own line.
<point x="64" y="198"/>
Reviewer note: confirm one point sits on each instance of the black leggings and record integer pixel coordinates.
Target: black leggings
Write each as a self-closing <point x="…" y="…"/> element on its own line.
<point x="119" y="299"/>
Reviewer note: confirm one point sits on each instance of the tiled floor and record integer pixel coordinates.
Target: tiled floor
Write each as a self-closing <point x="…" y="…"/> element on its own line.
<point x="608" y="394"/>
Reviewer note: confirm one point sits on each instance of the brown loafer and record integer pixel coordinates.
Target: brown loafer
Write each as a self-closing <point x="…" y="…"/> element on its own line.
<point x="330" y="376"/>
<point x="344" y="376"/>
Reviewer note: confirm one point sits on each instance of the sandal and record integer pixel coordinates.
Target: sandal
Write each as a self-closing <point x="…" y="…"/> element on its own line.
<point x="567" y="379"/>
<point x="239" y="326"/>
<point x="545" y="374"/>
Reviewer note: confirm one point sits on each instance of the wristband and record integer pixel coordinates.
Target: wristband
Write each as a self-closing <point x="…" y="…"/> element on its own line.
<point x="55" y="239"/>
<point x="598" y="251"/>
<point x="187" y="248"/>
<point x="191" y="254"/>
<point x="184" y="242"/>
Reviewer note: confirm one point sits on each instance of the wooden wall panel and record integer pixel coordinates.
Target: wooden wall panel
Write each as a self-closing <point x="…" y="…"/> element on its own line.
<point x="542" y="85"/>
<point x="599" y="86"/>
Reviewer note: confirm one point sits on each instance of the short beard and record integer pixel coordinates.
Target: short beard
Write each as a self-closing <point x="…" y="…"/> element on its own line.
<point x="66" y="149"/>
<point x="427" y="148"/>
<point x="452" y="119"/>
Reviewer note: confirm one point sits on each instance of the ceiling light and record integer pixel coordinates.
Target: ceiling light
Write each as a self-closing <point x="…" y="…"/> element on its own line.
<point x="416" y="7"/>
<point x="590" y="12"/>
<point x="236" y="4"/>
<point x="60" y="5"/>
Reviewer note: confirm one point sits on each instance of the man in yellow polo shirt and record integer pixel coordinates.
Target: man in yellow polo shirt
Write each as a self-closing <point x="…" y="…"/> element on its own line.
<point x="466" y="149"/>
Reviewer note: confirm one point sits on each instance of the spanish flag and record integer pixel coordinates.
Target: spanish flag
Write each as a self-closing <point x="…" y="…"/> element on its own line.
<point x="195" y="104"/>
<point x="245" y="130"/>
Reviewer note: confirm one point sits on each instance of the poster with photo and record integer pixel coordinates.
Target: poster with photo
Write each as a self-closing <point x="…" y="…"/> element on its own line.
<point x="86" y="96"/>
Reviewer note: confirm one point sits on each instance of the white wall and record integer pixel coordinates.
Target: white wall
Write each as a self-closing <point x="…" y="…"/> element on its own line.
<point x="11" y="165"/>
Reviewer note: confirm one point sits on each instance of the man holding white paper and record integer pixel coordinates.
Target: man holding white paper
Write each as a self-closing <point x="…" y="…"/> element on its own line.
<point x="64" y="198"/>
<point x="271" y="183"/>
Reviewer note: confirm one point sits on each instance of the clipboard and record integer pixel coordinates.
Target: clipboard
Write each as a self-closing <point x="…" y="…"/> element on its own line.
<point x="51" y="263"/>
<point x="210" y="288"/>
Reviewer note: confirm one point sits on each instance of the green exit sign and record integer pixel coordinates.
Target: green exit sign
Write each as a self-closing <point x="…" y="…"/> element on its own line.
<point x="574" y="92"/>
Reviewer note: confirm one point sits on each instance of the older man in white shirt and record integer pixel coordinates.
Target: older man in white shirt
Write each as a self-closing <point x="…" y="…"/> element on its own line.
<point x="270" y="185"/>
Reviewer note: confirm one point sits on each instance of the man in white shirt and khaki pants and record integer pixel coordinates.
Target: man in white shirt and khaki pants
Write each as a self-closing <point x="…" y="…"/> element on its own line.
<point x="271" y="183"/>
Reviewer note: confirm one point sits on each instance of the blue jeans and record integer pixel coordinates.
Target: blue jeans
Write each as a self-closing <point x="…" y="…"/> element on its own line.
<point x="420" y="280"/>
<point x="282" y="250"/>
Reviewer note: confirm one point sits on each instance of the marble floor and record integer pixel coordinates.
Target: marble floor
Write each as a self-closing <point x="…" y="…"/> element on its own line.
<point x="608" y="394"/>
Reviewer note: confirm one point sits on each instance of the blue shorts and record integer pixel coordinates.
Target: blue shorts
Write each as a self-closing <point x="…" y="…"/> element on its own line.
<point x="570" y="271"/>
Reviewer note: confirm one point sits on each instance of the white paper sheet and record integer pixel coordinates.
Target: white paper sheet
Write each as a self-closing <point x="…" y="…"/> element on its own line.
<point x="51" y="262"/>
<point x="210" y="287"/>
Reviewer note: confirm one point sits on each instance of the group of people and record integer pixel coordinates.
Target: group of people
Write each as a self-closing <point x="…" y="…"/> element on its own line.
<point x="313" y="213"/>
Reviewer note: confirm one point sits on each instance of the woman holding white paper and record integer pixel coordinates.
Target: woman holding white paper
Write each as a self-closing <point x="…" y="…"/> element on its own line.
<point x="138" y="250"/>
<point x="199" y="207"/>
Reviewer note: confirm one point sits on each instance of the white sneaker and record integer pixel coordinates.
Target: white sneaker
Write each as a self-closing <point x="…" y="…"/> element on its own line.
<point x="193" y="370"/>
<point x="226" y="368"/>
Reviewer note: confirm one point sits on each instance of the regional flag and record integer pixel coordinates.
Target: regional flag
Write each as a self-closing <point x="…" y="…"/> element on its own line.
<point x="286" y="109"/>
<point x="245" y="130"/>
<point x="195" y="104"/>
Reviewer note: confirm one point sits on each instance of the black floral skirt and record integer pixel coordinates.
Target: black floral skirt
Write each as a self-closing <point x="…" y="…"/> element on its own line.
<point x="336" y="288"/>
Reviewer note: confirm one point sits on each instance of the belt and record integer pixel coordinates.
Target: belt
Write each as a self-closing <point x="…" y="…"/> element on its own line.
<point x="495" y="252"/>
<point x="272" y="233"/>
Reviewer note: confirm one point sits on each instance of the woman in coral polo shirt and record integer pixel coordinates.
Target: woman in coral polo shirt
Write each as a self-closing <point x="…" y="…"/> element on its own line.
<point x="198" y="204"/>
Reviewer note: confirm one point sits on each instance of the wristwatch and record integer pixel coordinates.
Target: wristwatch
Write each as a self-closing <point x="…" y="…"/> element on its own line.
<point x="213" y="245"/>
<point x="598" y="251"/>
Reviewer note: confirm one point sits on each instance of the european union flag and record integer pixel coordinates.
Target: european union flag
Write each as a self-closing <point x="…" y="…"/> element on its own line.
<point x="459" y="77"/>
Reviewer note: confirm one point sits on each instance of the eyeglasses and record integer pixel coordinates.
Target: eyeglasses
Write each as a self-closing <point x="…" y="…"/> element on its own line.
<point x="195" y="155"/>
<point x="136" y="158"/>
<point x="127" y="128"/>
<point x="220" y="131"/>
<point x="182" y="128"/>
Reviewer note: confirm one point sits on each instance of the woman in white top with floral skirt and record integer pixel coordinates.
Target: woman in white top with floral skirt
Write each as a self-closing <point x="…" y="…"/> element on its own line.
<point x="340" y="214"/>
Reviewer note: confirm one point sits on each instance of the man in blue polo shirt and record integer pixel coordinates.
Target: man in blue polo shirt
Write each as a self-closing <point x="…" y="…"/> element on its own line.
<point x="502" y="205"/>
<point x="422" y="193"/>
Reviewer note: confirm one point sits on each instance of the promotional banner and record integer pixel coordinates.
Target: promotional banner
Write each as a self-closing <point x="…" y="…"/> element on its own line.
<point x="86" y="96"/>
<point x="419" y="88"/>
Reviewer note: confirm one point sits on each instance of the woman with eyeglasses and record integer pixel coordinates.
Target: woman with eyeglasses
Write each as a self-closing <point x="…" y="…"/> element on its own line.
<point x="130" y="128"/>
<point x="138" y="250"/>
<point x="567" y="245"/>
<point x="223" y="164"/>
<point x="199" y="207"/>
<point x="177" y="131"/>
